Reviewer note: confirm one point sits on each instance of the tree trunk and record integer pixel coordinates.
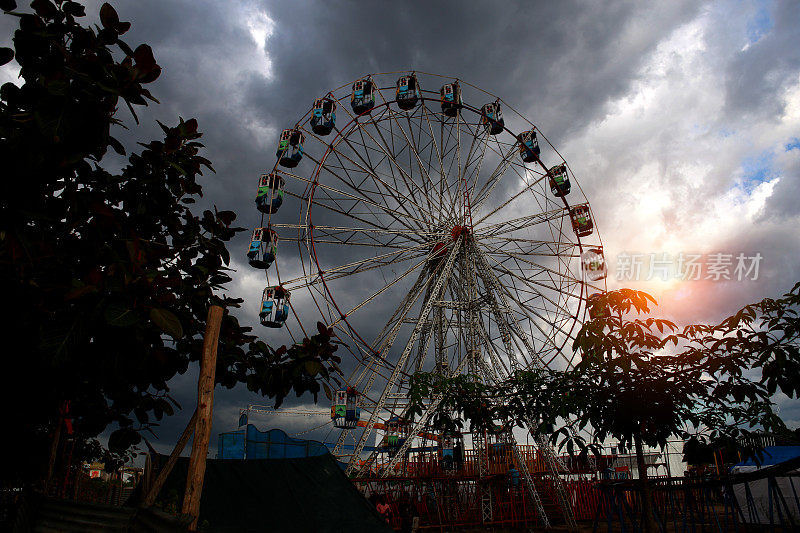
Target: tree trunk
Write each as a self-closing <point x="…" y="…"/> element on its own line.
<point x="648" y="523"/>
<point x="205" y="408"/>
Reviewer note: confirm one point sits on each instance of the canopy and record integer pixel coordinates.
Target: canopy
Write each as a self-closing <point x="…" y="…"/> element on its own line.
<point x="277" y="495"/>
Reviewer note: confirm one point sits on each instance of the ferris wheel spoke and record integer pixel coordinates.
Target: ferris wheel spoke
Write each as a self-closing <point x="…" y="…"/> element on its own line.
<point x="392" y="166"/>
<point x="542" y="268"/>
<point x="528" y="187"/>
<point x="534" y="247"/>
<point x="400" y="199"/>
<point x="357" y="201"/>
<point x="492" y="284"/>
<point x="356" y="267"/>
<point x="400" y="218"/>
<point x="438" y="151"/>
<point x="367" y="171"/>
<point x="517" y="224"/>
<point x="382" y="290"/>
<point x="407" y="179"/>
<point x="482" y="138"/>
<point x="414" y="149"/>
<point x="527" y="303"/>
<point x="506" y="160"/>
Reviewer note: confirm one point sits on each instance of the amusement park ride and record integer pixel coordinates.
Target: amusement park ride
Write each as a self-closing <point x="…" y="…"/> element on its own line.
<point x="433" y="237"/>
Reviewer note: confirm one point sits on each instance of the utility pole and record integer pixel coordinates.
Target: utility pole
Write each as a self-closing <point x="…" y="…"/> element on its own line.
<point x="205" y="408"/>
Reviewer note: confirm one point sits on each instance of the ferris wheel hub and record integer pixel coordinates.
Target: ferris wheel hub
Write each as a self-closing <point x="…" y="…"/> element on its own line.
<point x="458" y="231"/>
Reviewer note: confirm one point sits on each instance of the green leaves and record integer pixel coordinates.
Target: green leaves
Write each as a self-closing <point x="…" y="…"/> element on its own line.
<point x="167" y="322"/>
<point x="120" y="315"/>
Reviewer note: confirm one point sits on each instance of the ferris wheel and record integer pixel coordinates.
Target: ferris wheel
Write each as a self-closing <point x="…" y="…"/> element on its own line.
<point x="435" y="229"/>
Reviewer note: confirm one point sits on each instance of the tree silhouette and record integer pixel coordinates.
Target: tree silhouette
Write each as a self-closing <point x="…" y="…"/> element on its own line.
<point x="107" y="276"/>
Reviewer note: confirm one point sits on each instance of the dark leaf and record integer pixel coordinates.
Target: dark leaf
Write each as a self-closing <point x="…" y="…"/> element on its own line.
<point x="116" y="145"/>
<point x="227" y="217"/>
<point x="6" y="55"/>
<point x="108" y="17"/>
<point x="167" y="322"/>
<point x="8" y="5"/>
<point x="74" y="8"/>
<point x="45" y="9"/>
<point x="120" y="315"/>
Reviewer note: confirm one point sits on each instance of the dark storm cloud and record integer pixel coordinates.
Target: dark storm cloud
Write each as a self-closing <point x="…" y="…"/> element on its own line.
<point x="559" y="63"/>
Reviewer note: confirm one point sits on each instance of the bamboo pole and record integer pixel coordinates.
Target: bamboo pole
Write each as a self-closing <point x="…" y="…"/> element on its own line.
<point x="205" y="407"/>
<point x="163" y="474"/>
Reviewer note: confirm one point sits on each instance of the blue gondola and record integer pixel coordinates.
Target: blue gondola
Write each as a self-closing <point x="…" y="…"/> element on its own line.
<point x="363" y="97"/>
<point x="263" y="248"/>
<point x="492" y="118"/>
<point x="274" y="306"/>
<point x="290" y="148"/>
<point x="324" y="116"/>
<point x="581" y="219"/>
<point x="270" y="193"/>
<point x="559" y="180"/>
<point x="451" y="98"/>
<point x="407" y="94"/>
<point x="529" y="147"/>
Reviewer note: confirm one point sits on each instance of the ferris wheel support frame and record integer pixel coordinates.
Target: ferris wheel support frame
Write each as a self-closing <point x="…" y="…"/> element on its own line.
<point x="443" y="277"/>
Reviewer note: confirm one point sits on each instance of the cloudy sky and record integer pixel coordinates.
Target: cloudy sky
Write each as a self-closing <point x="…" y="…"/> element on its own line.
<point x="680" y="120"/>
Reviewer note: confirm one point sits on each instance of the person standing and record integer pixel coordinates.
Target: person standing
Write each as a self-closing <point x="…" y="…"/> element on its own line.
<point x="384" y="508"/>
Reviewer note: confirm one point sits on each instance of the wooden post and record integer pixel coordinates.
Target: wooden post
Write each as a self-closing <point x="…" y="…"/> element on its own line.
<point x="53" y="454"/>
<point x="205" y="407"/>
<point x="163" y="474"/>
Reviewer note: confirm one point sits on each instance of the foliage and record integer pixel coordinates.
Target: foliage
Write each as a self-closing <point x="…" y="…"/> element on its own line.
<point x="108" y="276"/>
<point x="641" y="378"/>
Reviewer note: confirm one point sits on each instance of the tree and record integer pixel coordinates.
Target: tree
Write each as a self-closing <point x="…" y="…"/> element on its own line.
<point x="641" y="383"/>
<point x="108" y="275"/>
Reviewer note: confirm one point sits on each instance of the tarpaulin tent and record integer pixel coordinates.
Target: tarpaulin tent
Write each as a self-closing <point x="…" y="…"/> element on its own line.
<point x="251" y="443"/>
<point x="761" y="498"/>
<point x="309" y="494"/>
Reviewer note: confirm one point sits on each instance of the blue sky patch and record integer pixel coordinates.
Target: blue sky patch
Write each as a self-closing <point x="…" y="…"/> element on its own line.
<point x="761" y="22"/>
<point x="793" y="144"/>
<point x="757" y="169"/>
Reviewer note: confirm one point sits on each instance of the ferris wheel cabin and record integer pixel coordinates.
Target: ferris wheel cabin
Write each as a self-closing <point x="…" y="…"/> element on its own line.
<point x="396" y="434"/>
<point x="529" y="146"/>
<point x="452" y="448"/>
<point x="363" y="97"/>
<point x="263" y="248"/>
<point x="451" y="98"/>
<point x="345" y="411"/>
<point x="323" y="117"/>
<point x="407" y="93"/>
<point x="290" y="148"/>
<point x="594" y="264"/>
<point x="492" y="118"/>
<point x="559" y="180"/>
<point x="270" y="193"/>
<point x="274" y="306"/>
<point x="581" y="220"/>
